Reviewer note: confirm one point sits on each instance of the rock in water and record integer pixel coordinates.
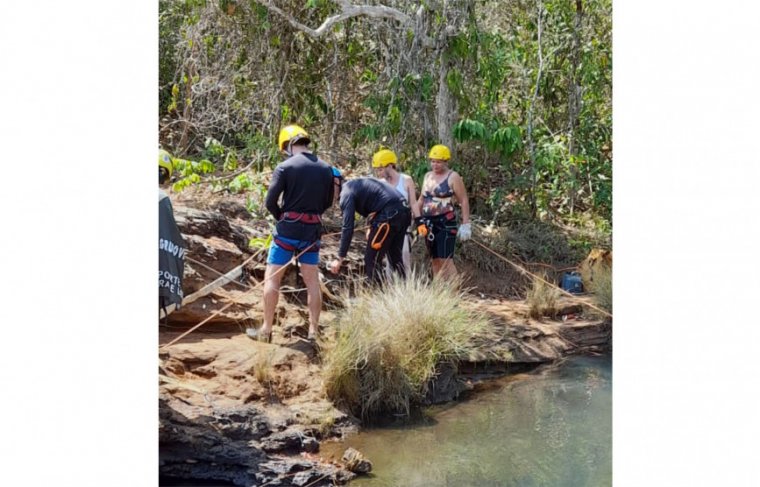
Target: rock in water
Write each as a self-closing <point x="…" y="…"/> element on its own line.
<point x="356" y="462"/>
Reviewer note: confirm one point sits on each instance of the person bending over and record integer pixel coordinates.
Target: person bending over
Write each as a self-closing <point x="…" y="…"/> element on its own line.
<point x="389" y="217"/>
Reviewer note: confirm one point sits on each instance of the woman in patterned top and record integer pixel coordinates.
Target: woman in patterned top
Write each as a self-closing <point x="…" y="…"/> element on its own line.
<point x="442" y="188"/>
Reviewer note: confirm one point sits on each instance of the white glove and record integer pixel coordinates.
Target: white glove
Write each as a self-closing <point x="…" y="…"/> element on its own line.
<point x="465" y="232"/>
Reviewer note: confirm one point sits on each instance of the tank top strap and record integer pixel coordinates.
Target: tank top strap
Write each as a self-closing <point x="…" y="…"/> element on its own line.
<point x="401" y="185"/>
<point x="444" y="190"/>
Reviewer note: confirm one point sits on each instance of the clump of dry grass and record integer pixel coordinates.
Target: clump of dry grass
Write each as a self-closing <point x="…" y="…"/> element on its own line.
<point x="389" y="342"/>
<point x="542" y="299"/>
<point x="262" y="368"/>
<point x="325" y="424"/>
<point x="601" y="287"/>
<point x="322" y="420"/>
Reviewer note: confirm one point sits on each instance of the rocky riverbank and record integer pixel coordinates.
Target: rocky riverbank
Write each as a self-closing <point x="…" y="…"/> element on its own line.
<point x="251" y="413"/>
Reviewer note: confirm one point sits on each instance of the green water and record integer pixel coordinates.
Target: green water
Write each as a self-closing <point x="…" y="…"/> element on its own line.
<point x="551" y="427"/>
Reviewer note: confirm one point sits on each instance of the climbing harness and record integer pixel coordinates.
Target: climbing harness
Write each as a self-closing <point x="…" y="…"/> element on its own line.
<point x="421" y="226"/>
<point x="295" y="216"/>
<point x="448" y="216"/>
<point x="292" y="248"/>
<point x="253" y="288"/>
<point x="382" y="226"/>
<point x="429" y="230"/>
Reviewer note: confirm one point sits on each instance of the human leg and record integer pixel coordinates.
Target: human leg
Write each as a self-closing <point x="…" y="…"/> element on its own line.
<point x="272" y="279"/>
<point x="406" y="254"/>
<point x="442" y="248"/>
<point x="444" y="269"/>
<point x="278" y="257"/>
<point x="374" y="257"/>
<point x="387" y="270"/>
<point x="396" y="239"/>
<point x="310" y="274"/>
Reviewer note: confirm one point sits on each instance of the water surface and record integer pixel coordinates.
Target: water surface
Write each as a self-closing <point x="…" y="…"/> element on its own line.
<point x="552" y="427"/>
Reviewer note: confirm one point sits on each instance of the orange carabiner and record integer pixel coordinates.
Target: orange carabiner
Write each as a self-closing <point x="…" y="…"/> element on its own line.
<point x="383" y="227"/>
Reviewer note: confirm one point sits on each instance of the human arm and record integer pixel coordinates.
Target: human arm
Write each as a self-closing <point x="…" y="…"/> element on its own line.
<point x="412" y="197"/>
<point x="465" y="232"/>
<point x="416" y="206"/>
<point x="461" y="195"/>
<point x="276" y="187"/>
<point x="422" y="191"/>
<point x="347" y="206"/>
<point x="331" y="192"/>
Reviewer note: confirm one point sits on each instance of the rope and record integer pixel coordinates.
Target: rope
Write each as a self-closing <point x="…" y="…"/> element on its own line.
<point x="295" y="259"/>
<point x="220" y="274"/>
<point x="252" y="288"/>
<point x="525" y="271"/>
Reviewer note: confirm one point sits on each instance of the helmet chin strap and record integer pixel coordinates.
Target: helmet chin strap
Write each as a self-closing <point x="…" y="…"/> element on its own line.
<point x="289" y="148"/>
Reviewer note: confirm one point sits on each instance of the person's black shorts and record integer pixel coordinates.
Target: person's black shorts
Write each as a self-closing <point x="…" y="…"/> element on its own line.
<point x="444" y="231"/>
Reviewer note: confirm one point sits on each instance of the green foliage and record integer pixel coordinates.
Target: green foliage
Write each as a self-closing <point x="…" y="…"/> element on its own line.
<point x="190" y="172"/>
<point x="260" y="242"/>
<point x="194" y="172"/>
<point x="467" y="129"/>
<point x="214" y="149"/>
<point x="241" y="183"/>
<point x="263" y="150"/>
<point x="368" y="133"/>
<point x="504" y="139"/>
<point x="230" y="161"/>
<point x="417" y="170"/>
<point x="185" y="182"/>
<point x="231" y="74"/>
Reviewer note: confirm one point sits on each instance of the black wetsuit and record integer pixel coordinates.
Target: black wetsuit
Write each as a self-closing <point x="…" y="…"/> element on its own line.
<point x="306" y="185"/>
<point x="366" y="196"/>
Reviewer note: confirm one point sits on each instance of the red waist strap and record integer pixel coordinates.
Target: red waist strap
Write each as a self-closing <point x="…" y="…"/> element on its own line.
<point x="449" y="215"/>
<point x="302" y="217"/>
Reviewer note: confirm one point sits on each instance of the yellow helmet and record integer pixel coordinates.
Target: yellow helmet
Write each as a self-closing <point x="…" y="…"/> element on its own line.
<point x="440" y="152"/>
<point x="166" y="161"/>
<point x="384" y="157"/>
<point x="289" y="133"/>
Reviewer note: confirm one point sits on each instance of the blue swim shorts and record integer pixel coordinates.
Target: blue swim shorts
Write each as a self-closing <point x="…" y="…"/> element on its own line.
<point x="283" y="249"/>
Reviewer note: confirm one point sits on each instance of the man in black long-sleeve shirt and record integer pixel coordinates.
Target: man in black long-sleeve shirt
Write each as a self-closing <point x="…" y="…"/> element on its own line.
<point x="305" y="183"/>
<point x="367" y="196"/>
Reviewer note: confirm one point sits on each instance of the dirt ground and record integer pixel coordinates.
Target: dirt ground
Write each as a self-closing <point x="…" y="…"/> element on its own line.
<point x="244" y="411"/>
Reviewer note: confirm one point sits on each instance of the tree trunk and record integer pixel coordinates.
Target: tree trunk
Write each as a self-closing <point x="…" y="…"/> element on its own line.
<point x="445" y="105"/>
<point x="531" y="108"/>
<point x="456" y="13"/>
<point x="574" y="102"/>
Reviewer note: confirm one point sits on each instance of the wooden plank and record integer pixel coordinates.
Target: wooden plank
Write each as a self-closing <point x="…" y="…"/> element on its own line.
<point x="208" y="288"/>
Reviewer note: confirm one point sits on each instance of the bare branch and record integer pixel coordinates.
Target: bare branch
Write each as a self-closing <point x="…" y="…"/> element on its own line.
<point x="348" y="11"/>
